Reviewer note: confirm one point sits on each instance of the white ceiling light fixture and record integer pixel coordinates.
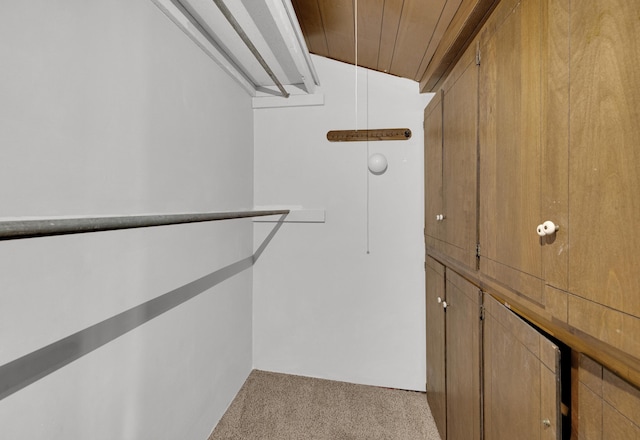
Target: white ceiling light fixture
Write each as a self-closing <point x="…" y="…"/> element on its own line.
<point x="377" y="163"/>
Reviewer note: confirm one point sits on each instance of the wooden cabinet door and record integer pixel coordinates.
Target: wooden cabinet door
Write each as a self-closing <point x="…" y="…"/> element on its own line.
<point x="463" y="326"/>
<point x="510" y="146"/>
<point x="460" y="160"/>
<point x="433" y="173"/>
<point x="604" y="173"/>
<point x="436" y="383"/>
<point x="453" y="353"/>
<point x="451" y="157"/>
<point x="609" y="406"/>
<point x="521" y="379"/>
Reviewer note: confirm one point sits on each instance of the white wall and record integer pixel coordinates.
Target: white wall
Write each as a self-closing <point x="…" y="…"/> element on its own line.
<point x="107" y="108"/>
<point x="323" y="307"/>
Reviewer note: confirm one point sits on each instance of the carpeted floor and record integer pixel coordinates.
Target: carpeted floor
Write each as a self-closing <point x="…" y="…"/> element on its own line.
<point x="273" y="406"/>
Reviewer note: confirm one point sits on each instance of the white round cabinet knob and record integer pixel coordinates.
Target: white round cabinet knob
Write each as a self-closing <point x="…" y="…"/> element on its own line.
<point x="547" y="228"/>
<point x="550" y="227"/>
<point x="439" y="300"/>
<point x="444" y="304"/>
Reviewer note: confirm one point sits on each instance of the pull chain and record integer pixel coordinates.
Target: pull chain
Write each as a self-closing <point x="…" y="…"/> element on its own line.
<point x="355" y="65"/>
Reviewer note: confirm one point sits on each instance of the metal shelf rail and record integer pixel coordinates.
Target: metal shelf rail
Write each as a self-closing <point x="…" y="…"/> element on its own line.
<point x="17" y="229"/>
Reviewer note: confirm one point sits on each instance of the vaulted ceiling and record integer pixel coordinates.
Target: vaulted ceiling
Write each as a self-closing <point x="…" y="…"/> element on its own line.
<point x="415" y="39"/>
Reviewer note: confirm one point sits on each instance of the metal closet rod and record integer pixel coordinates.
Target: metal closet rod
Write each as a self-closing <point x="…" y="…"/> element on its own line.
<point x="16" y="229"/>
<point x="245" y="38"/>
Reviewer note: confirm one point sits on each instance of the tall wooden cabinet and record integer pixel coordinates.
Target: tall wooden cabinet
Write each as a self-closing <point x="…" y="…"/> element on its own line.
<point x="601" y="238"/>
<point x="434" y="207"/>
<point x="550" y="119"/>
<point x="451" y="122"/>
<point x="477" y="352"/>
<point x="510" y="146"/>
<point x="559" y="132"/>
<point x="453" y="353"/>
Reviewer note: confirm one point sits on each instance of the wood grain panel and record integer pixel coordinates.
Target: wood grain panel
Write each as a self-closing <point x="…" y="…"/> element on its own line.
<point x="608" y="325"/>
<point x="417" y="23"/>
<point x="590" y="374"/>
<point x="497" y="19"/>
<point x="588" y="187"/>
<point x="613" y="358"/>
<point x="460" y="156"/>
<point x="389" y="33"/>
<point x="370" y="15"/>
<point x="550" y="397"/>
<point x="463" y="359"/>
<point x="433" y="168"/>
<point x="574" y="402"/>
<point x="549" y="354"/>
<point x="415" y="39"/>
<point x="510" y="145"/>
<point x="514" y="408"/>
<point x="604" y="212"/>
<point x="310" y="19"/>
<point x="465" y="256"/>
<point x="435" y="244"/>
<point x="448" y="12"/>
<point x="622" y="396"/>
<point x="470" y="15"/>
<point x="514" y="326"/>
<point x="590" y="415"/>
<point x="609" y="406"/>
<point x="511" y="404"/>
<point x="556" y="304"/>
<point x="616" y="426"/>
<point x="339" y="27"/>
<point x="528" y="286"/>
<point x="435" y="318"/>
<point x="555" y="136"/>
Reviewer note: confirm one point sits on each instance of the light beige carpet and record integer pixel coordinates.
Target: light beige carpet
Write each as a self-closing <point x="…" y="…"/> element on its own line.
<point x="273" y="406"/>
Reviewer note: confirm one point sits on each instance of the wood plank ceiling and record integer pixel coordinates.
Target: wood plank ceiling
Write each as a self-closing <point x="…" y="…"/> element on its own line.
<point x="415" y="39"/>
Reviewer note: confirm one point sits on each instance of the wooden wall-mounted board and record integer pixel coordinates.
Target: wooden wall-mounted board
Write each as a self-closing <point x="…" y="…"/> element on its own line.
<point x="381" y="134"/>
